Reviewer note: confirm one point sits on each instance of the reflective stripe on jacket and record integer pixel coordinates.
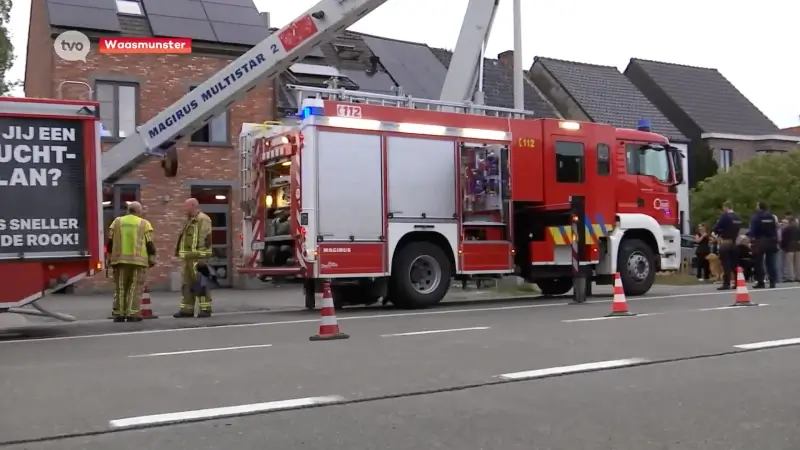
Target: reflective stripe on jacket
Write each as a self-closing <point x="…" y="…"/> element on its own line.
<point x="195" y="238"/>
<point x="129" y="234"/>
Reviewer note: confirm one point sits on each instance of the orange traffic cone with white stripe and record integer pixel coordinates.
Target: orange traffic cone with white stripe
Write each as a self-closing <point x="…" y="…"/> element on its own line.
<point x="742" y="294"/>
<point x="328" y="326"/>
<point x="147" y="313"/>
<point x="619" y="306"/>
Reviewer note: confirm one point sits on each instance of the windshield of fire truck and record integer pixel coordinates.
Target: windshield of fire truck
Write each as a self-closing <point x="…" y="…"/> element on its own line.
<point x="649" y="159"/>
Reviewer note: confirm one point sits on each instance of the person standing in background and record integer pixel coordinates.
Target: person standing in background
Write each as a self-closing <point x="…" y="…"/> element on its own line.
<point x="790" y="246"/>
<point x="764" y="233"/>
<point x="130" y="239"/>
<point x="727" y="228"/>
<point x="194" y="247"/>
<point x="703" y="249"/>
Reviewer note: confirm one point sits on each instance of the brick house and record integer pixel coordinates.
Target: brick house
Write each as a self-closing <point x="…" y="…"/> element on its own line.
<point x="704" y="105"/>
<point x="133" y="88"/>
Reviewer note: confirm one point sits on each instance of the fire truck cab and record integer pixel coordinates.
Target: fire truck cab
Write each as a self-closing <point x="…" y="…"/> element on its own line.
<point x="393" y="202"/>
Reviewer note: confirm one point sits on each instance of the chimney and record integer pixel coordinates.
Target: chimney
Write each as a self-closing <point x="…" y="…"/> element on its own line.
<point x="507" y="58"/>
<point x="265" y="18"/>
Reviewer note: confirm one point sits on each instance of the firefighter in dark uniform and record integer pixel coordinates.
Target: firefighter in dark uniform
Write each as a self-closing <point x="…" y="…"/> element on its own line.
<point x="727" y="228"/>
<point x="764" y="234"/>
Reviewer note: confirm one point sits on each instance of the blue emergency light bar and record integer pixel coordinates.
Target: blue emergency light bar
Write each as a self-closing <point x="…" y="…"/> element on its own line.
<point x="312" y="107"/>
<point x="644" y="125"/>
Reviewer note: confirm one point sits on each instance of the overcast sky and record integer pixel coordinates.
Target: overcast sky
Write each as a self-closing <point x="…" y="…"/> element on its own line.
<point x="754" y="44"/>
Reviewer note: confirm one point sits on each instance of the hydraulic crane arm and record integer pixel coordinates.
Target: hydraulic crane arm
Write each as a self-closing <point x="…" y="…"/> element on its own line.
<point x="270" y="57"/>
<point x="465" y="64"/>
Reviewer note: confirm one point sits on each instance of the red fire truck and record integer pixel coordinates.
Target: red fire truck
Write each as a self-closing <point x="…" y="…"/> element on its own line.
<point x="50" y="213"/>
<point x="394" y="201"/>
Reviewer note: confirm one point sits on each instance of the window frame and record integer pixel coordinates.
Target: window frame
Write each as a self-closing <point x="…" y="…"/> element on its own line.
<point x="115" y="136"/>
<point x="604" y="165"/>
<point x="582" y="169"/>
<point x="725" y="159"/>
<point x="225" y="144"/>
<point x="138" y="3"/>
<point x="636" y="165"/>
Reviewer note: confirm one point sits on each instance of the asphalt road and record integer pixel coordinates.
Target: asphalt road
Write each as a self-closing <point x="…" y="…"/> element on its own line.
<point x="444" y="378"/>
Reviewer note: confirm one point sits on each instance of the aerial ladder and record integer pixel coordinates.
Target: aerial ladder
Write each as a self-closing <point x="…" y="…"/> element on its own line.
<point x="272" y="56"/>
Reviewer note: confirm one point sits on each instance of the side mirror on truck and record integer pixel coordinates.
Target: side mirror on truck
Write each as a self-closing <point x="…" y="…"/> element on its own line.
<point x="169" y="162"/>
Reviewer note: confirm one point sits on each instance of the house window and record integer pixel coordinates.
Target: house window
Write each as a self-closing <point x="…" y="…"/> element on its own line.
<point x="570" y="162"/>
<point x="118" y="108"/>
<point x="603" y="159"/>
<point x="130" y="7"/>
<point x="725" y="159"/>
<point x="115" y="201"/>
<point x="214" y="132"/>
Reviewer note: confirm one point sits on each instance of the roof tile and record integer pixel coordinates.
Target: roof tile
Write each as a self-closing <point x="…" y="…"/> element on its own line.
<point x="607" y="96"/>
<point x="498" y="86"/>
<point x="707" y="97"/>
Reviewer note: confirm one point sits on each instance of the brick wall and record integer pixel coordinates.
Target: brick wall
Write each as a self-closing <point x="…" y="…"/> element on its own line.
<point x="163" y="79"/>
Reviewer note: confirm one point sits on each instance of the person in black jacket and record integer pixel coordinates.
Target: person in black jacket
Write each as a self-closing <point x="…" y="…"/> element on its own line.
<point x="727" y="228"/>
<point x="701" y="239"/>
<point x="764" y="233"/>
<point x="790" y="245"/>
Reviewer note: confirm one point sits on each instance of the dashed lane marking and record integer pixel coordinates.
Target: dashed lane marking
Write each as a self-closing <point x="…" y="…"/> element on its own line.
<point x="418" y="333"/>
<point x="719" y="308"/>
<point x="218" y="413"/>
<point x="769" y="344"/>
<point x="586" y="367"/>
<point x="201" y="350"/>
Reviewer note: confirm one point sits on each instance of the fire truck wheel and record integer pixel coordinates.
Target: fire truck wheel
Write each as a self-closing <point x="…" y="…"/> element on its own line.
<point x="421" y="276"/>
<point x="636" y="266"/>
<point x="555" y="286"/>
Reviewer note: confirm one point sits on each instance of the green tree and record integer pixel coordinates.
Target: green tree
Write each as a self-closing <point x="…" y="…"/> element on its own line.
<point x="701" y="162"/>
<point x="6" y="48"/>
<point x="773" y="178"/>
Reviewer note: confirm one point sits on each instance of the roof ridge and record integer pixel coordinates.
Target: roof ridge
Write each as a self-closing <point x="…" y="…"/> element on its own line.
<point x="672" y="64"/>
<point x="544" y="59"/>
<point x="388" y="39"/>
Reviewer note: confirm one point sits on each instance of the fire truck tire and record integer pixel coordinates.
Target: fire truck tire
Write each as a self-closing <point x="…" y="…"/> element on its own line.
<point x="637" y="266"/>
<point x="420" y="276"/>
<point x="555" y="286"/>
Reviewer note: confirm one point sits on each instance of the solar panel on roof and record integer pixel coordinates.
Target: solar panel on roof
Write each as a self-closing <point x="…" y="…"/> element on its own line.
<point x="101" y="4"/>
<point x="185" y="28"/>
<point x="83" y="17"/>
<point x="233" y="14"/>
<point x="239" y="34"/>
<point x="175" y="8"/>
<point x="413" y="66"/>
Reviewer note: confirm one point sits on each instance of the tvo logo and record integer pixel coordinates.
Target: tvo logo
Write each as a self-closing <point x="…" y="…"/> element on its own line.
<point x="72" y="46"/>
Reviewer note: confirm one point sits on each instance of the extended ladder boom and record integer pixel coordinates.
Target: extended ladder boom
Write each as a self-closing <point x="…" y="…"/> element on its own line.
<point x="467" y="60"/>
<point x="270" y="57"/>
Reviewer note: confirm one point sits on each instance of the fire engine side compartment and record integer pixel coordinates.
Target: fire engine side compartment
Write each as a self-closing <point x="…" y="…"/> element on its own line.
<point x="350" y="204"/>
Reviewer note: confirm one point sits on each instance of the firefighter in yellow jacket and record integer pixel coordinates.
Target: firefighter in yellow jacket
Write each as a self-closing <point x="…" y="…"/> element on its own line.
<point x="130" y="239"/>
<point x="194" y="248"/>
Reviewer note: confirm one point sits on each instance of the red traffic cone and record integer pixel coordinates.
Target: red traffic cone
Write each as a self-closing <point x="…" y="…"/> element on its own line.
<point x="619" y="306"/>
<point x="147" y="313"/>
<point x="328" y="326"/>
<point x="742" y="294"/>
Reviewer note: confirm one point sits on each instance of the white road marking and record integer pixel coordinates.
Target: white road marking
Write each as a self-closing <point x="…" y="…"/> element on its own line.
<point x="719" y="308"/>
<point x="769" y="344"/>
<point x="202" y="350"/>
<point x="215" y="413"/>
<point x="595" y="319"/>
<point x="587" y="367"/>
<point x="417" y="333"/>
<point x="375" y="316"/>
